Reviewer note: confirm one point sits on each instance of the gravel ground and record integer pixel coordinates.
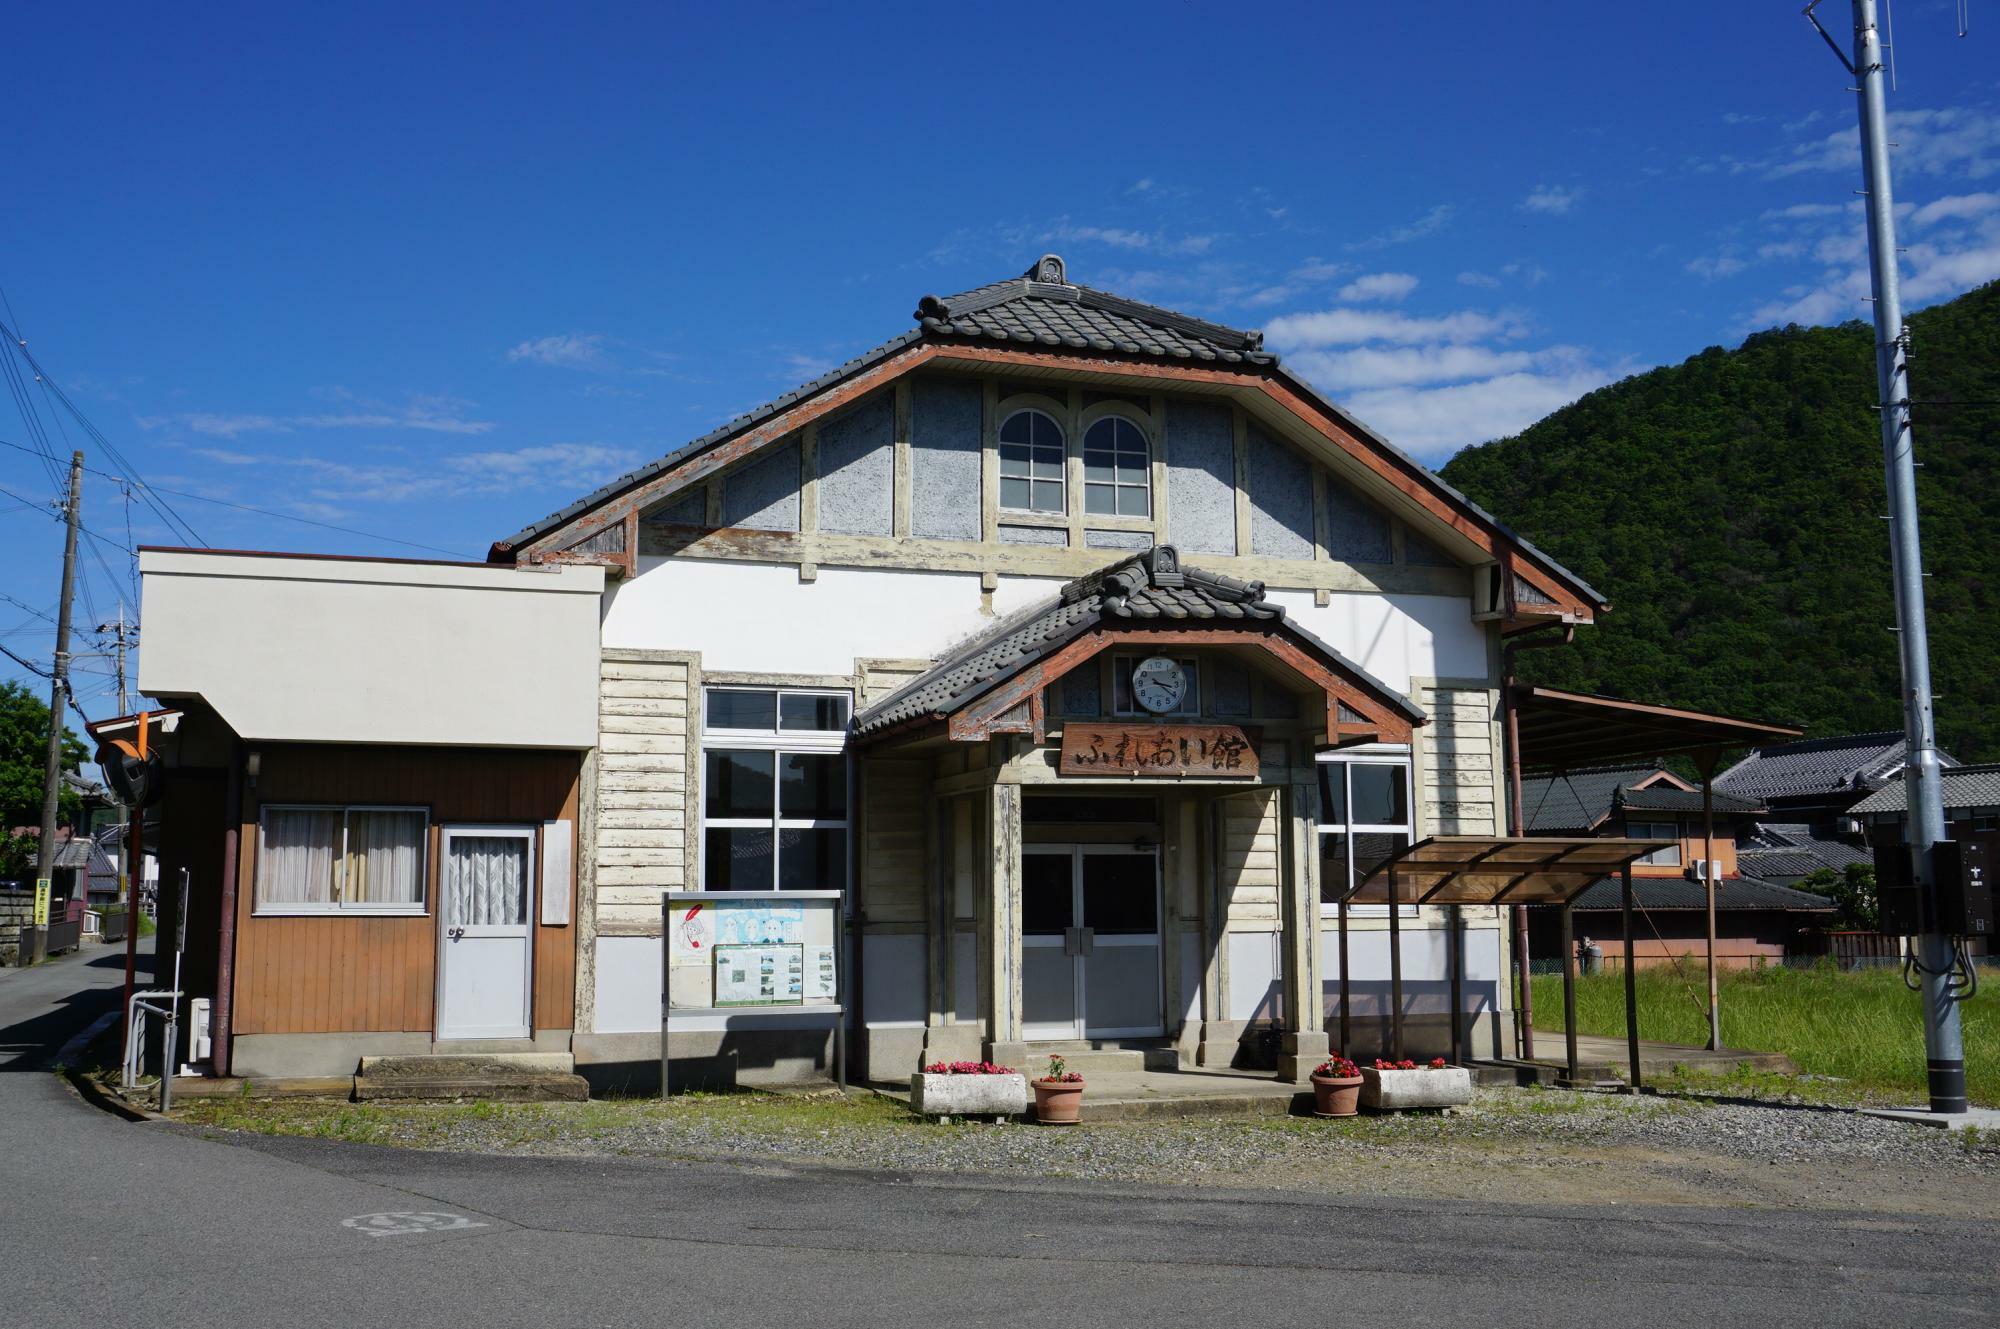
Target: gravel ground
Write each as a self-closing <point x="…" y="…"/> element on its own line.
<point x="1509" y="1145"/>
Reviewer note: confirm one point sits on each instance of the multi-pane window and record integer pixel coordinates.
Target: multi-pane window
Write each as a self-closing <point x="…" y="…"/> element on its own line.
<point x="1364" y="819"/>
<point x="1031" y="463"/>
<point x="774" y="790"/>
<point x="1657" y="830"/>
<point x="315" y="858"/>
<point x="1117" y="470"/>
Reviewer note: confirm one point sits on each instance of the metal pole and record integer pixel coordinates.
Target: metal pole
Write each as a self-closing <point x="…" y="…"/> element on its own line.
<point x="1943" y="1047"/>
<point x="1709" y="876"/>
<point x="1346" y="990"/>
<point x="1395" y="972"/>
<point x="45" y="871"/>
<point x="666" y="990"/>
<point x="1569" y="988"/>
<point x="1457" y="938"/>
<point x="1524" y="1008"/>
<point x="1631" y="979"/>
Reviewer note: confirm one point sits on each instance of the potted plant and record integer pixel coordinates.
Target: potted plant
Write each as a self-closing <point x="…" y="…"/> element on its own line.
<point x="1059" y="1095"/>
<point x="968" y="1089"/>
<point x="1391" y="1086"/>
<point x="1336" y="1088"/>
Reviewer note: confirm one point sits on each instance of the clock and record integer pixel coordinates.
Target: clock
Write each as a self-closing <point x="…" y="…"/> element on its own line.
<point x="1159" y="684"/>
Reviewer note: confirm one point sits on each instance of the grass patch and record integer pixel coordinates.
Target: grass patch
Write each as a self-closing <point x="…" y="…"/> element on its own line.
<point x="1860" y="1026"/>
<point x="442" y="1125"/>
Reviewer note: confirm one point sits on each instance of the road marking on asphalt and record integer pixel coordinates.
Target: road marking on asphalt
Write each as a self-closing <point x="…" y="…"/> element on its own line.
<point x="407" y="1223"/>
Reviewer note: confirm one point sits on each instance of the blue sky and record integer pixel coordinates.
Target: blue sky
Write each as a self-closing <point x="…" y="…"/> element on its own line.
<point x="431" y="271"/>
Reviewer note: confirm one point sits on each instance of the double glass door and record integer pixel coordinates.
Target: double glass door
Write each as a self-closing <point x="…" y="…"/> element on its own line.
<point x="1090" y="941"/>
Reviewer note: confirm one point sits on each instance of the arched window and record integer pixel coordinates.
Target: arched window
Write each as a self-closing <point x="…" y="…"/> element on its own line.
<point x="1117" y="469"/>
<point x="1031" y="463"/>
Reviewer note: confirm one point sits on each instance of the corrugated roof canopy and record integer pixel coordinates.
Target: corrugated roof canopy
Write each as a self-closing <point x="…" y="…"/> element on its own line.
<point x="1563" y="731"/>
<point x="1497" y="869"/>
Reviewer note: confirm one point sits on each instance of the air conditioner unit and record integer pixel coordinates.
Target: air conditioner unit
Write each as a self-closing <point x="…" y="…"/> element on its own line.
<point x="1848" y="825"/>
<point x="1711" y="866"/>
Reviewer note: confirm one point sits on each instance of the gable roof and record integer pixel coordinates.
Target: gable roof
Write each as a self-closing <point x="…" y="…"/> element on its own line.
<point x="1042" y="310"/>
<point x="1820" y="767"/>
<point x="1963" y="787"/>
<point x="1150" y="587"/>
<point x="1674" y="893"/>
<point x="1580" y="800"/>
<point x="1787" y="852"/>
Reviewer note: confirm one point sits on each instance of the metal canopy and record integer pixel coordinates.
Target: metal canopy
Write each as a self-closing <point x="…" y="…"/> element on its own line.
<point x="1497" y="869"/>
<point x="1566" y="731"/>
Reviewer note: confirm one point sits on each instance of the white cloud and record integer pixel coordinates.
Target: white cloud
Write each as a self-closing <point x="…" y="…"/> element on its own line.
<point x="561" y="466"/>
<point x="439" y="415"/>
<point x="1429" y="224"/>
<point x="1379" y="286"/>
<point x="1352" y="327"/>
<point x="1119" y="237"/>
<point x="1712" y="267"/>
<point x="1551" y="200"/>
<point x="1435" y="422"/>
<point x="1479" y="279"/>
<point x="1963" y="142"/>
<point x="1403" y="366"/>
<point x="568" y="350"/>
<point x="1954" y="207"/>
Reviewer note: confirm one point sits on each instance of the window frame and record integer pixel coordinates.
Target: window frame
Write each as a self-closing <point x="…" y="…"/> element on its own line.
<point x="1633" y="831"/>
<point x="1144" y="485"/>
<point x="336" y="907"/>
<point x="1394" y="755"/>
<point x="1061" y="481"/>
<point x="779" y="742"/>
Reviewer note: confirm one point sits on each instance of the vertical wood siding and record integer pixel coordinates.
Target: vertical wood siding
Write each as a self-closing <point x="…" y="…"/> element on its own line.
<point x="371" y="974"/>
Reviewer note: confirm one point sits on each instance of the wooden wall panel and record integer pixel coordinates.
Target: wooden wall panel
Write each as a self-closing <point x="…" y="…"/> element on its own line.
<point x="329" y="974"/>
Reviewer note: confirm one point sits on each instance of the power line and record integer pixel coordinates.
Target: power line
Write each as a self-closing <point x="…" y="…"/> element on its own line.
<point x="242" y="507"/>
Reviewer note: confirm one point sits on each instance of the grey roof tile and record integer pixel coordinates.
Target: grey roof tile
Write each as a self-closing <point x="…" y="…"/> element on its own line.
<point x="1674" y="893"/>
<point x="1964" y="787"/>
<point x="1150" y="585"/>
<point x="1819" y="767"/>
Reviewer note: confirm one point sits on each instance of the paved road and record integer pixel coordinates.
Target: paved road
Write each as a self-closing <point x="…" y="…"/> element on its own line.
<point x="107" y="1221"/>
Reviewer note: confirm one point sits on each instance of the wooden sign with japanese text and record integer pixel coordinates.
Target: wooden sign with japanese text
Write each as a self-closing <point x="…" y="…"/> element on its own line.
<point x="1174" y="751"/>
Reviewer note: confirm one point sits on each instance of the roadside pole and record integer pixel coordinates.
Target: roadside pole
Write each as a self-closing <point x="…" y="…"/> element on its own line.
<point x="45" y="871"/>
<point x="1924" y="818"/>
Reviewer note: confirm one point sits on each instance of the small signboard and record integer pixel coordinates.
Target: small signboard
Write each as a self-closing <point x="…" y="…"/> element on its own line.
<point x="42" y="891"/>
<point x="1173" y="751"/>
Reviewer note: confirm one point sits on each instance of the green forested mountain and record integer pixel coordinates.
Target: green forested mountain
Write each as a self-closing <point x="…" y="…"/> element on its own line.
<point x="1731" y="508"/>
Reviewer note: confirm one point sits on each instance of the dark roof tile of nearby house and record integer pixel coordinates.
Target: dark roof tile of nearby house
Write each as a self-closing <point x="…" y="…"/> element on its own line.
<point x="1148" y="587"/>
<point x="1579" y="800"/>
<point x="1849" y="763"/>
<point x="1673" y="893"/>
<point x="1963" y="787"/>
<point x="1786" y="852"/>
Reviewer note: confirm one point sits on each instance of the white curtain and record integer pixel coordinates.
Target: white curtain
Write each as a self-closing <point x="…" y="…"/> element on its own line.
<point x="384" y="858"/>
<point x="486" y="880"/>
<point x="295" y="860"/>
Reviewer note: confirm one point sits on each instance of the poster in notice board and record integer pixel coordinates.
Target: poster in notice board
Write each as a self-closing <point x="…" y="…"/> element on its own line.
<point x="760" y="975"/>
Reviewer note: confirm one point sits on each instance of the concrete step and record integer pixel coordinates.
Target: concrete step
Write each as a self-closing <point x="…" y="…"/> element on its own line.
<point x="1102" y="1056"/>
<point x="508" y="1077"/>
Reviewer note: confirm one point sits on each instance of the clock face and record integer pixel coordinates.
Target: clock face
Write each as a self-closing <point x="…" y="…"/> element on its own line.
<point x="1159" y="684"/>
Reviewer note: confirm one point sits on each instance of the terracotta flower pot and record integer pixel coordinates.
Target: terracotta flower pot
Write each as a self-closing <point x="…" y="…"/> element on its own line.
<point x="1058" y="1103"/>
<point x="1336" y="1096"/>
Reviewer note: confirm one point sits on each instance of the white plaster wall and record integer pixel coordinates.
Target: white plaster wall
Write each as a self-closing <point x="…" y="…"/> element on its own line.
<point x="359" y="651"/>
<point x="757" y="618"/>
<point x="1395" y="637"/>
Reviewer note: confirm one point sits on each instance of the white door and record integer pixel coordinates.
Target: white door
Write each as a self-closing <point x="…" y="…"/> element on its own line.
<point x="1090" y="942"/>
<point x="485" y="944"/>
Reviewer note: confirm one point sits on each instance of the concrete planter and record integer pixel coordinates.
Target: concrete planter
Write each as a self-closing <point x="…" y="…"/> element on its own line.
<point x="1395" y="1091"/>
<point x="969" y="1095"/>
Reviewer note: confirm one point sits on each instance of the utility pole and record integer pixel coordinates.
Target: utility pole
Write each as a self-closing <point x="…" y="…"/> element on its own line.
<point x="123" y="634"/>
<point x="58" y="696"/>
<point x="1944" y="1047"/>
